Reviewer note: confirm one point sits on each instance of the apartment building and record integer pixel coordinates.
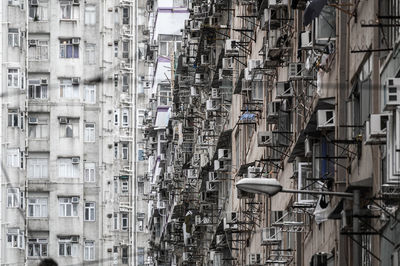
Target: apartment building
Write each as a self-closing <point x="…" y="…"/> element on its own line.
<point x="303" y="93"/>
<point x="69" y="154"/>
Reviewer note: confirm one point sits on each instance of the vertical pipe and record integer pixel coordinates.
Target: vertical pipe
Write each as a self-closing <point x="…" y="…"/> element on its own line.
<point x="356" y="229"/>
<point x="1" y="133"/>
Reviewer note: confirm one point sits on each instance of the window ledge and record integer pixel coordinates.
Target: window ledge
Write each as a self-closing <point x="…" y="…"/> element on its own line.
<point x="69" y="20"/>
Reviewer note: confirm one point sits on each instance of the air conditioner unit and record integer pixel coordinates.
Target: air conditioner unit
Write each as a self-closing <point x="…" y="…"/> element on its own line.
<point x="75" y="160"/>
<point x="195" y="25"/>
<point x="227" y="63"/>
<point x="75" y="239"/>
<point x="298" y="71"/>
<point x="320" y="259"/>
<point x="253" y="171"/>
<point x="33" y="120"/>
<point x="215" y="93"/>
<point x="378" y="124"/>
<point x="212" y="105"/>
<point x="204" y="59"/>
<point x="253" y="63"/>
<point x="210" y="186"/>
<point x="267" y="139"/>
<point x="76" y="40"/>
<point x="200" y="78"/>
<point x="76" y="2"/>
<point x="231" y="217"/>
<point x="392" y="93"/>
<point x="33" y="2"/>
<point x="186" y="256"/>
<point x="75" y="200"/>
<point x="43" y="81"/>
<point x="277" y="3"/>
<point x="63" y="120"/>
<point x="161" y="204"/>
<point x="255" y="259"/>
<point x="305" y="182"/>
<point x="247" y="74"/>
<point x="306" y="41"/>
<point x="231" y="47"/>
<point x="220" y="165"/>
<point x="224" y="154"/>
<point x="284" y="90"/>
<point x="273" y="110"/>
<point x="197" y="10"/>
<point x="271" y="236"/>
<point x="213" y="177"/>
<point x="197" y="220"/>
<point x="32" y="42"/>
<point x="325" y="119"/>
<point x="75" y="81"/>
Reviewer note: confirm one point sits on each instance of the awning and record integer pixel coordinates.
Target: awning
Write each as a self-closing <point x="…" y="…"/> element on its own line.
<point x="162" y="118"/>
<point x="313" y="10"/>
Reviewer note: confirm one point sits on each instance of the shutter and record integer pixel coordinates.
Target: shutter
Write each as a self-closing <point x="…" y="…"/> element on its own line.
<point x="365" y="93"/>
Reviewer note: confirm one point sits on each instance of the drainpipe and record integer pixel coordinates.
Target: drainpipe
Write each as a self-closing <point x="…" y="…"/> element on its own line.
<point x="356" y="228"/>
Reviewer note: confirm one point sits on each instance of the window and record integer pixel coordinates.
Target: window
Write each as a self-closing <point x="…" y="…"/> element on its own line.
<point x="37" y="207"/>
<point x="125" y="82"/>
<point x="69" y="88"/>
<point x="13" y="78"/>
<point x="140" y="225"/>
<point x="69" y="48"/>
<point x="68" y="206"/>
<point x="90" y="15"/>
<point x="115" y="150"/>
<point x="141" y="155"/>
<point x="125" y="117"/>
<point x="325" y="25"/>
<point x="89" y="132"/>
<point x="116" y="185"/>
<point x="68" y="167"/>
<point x="90" y="54"/>
<point x="38" y="168"/>
<point x="125" y="151"/>
<point x="38" y="127"/>
<point x="124" y="186"/>
<point x="90" y="213"/>
<point x="140" y="252"/>
<point x="124" y="256"/>
<point x="68" y="10"/>
<point x="13" y="118"/>
<point x="125" y="49"/>
<point x="13" y="2"/>
<point x="90" y="94"/>
<point x="257" y="90"/>
<point x="116" y="117"/>
<point x="116" y="81"/>
<point x="69" y="127"/>
<point x="140" y="118"/>
<point x="39" y="11"/>
<point x="163" y="48"/>
<point x="37" y="247"/>
<point x="116" y="221"/>
<point x="13" y="198"/>
<point x="13" y="158"/>
<point x="37" y="89"/>
<point x="124" y="221"/>
<point x="125" y="15"/>
<point x="15" y="238"/>
<point x="38" y="50"/>
<point x="90" y="172"/>
<point x="89" y="250"/>
<point x="68" y="246"/>
<point x="13" y="37"/>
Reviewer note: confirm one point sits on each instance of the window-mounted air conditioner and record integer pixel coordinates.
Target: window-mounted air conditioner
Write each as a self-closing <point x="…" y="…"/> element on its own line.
<point x="306" y="41"/>
<point x="33" y="2"/>
<point x="273" y="110"/>
<point x="298" y="71"/>
<point x="211" y="186"/>
<point x="212" y="105"/>
<point x="325" y="119"/>
<point x="376" y="129"/>
<point x="267" y="139"/>
<point x="74" y="239"/>
<point x="231" y="217"/>
<point x="231" y="47"/>
<point x="227" y="63"/>
<point x="75" y="2"/>
<point x="32" y="120"/>
<point x="213" y="177"/>
<point x="253" y="171"/>
<point x="63" y="120"/>
<point x="220" y="165"/>
<point x="253" y="64"/>
<point x="75" y="81"/>
<point x="195" y="25"/>
<point x="284" y="90"/>
<point x="76" y="40"/>
<point x="43" y="81"/>
<point x="277" y="3"/>
<point x="255" y="259"/>
<point x="75" y="160"/>
<point x="197" y="220"/>
<point x="215" y="93"/>
<point x="75" y="200"/>
<point x="186" y="256"/>
<point x="271" y="236"/>
<point x="204" y="59"/>
<point x="224" y="154"/>
<point x="32" y="42"/>
<point x="197" y="10"/>
<point x="392" y="93"/>
<point x="193" y="92"/>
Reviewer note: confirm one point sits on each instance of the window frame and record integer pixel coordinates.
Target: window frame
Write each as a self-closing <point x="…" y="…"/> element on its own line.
<point x="65" y="46"/>
<point x="68" y="90"/>
<point x="41" y="164"/>
<point x="90" y="211"/>
<point x="71" y="169"/>
<point x="13" y="78"/>
<point x="90" y="172"/>
<point x="90" y="132"/>
<point x="89" y="250"/>
<point x="124" y="221"/>
<point x="40" y="205"/>
<point x="90" y="94"/>
<point x="40" y="242"/>
<point x="90" y="15"/>
<point x="63" y="211"/>
<point x="13" y="37"/>
<point x="69" y="248"/>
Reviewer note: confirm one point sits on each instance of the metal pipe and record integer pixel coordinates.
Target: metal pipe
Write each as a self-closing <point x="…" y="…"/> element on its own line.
<point x="356" y="228"/>
<point x="312" y="192"/>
